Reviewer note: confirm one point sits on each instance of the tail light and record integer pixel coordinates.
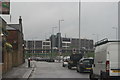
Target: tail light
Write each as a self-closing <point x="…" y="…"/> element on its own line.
<point x="107" y="66"/>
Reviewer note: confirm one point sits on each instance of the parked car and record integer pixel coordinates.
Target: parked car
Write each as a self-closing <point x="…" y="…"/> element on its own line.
<point x="40" y="59"/>
<point x="32" y="58"/>
<point x="85" y="65"/>
<point x="106" y="61"/>
<point x="74" y="58"/>
<point x="65" y="61"/>
<point x="50" y="60"/>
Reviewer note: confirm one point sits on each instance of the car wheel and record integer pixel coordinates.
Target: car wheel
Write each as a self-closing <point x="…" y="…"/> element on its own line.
<point x="78" y="69"/>
<point x="69" y="67"/>
<point x="63" y="65"/>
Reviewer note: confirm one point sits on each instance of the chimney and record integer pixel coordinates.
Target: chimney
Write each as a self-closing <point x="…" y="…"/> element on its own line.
<point x="20" y="20"/>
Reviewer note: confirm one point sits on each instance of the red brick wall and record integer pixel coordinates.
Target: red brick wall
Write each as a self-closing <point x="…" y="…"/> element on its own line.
<point x="12" y="38"/>
<point x="16" y="39"/>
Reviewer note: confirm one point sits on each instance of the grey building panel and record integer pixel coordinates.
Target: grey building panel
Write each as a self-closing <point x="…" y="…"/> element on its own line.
<point x="30" y="44"/>
<point x="16" y="26"/>
<point x="38" y="44"/>
<point x="10" y="28"/>
<point x="53" y="41"/>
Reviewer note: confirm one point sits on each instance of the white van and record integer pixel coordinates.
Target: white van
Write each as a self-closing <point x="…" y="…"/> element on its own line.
<point x="106" y="61"/>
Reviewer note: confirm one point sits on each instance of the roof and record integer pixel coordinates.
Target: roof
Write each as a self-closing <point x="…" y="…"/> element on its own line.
<point x="16" y="26"/>
<point x="10" y="28"/>
<point x="104" y="41"/>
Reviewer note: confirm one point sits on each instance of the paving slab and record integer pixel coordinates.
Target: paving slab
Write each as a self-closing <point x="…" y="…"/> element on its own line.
<point x="21" y="71"/>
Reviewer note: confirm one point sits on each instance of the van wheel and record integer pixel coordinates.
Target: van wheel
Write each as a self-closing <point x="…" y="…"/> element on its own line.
<point x="91" y="76"/>
<point x="102" y="78"/>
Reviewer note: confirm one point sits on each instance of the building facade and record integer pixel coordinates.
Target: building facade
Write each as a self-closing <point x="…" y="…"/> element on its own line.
<point x="38" y="46"/>
<point x="15" y="38"/>
<point x="52" y="45"/>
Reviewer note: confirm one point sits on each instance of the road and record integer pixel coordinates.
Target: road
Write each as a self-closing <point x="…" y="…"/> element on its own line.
<point x="55" y="70"/>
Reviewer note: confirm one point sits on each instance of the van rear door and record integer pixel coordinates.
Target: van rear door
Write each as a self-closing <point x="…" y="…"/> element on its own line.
<point x="114" y="55"/>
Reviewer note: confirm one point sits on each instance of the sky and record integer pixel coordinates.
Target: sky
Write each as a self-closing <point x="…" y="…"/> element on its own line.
<point x="97" y="18"/>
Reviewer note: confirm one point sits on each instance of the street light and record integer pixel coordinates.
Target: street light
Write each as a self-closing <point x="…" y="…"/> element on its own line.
<point x="79" y="4"/>
<point x="59" y="32"/>
<point x="59" y="38"/>
<point x="59" y="24"/>
<point x="53" y="30"/>
<point x="116" y="31"/>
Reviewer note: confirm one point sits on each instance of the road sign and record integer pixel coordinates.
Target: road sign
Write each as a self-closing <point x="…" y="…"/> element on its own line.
<point x="4" y="6"/>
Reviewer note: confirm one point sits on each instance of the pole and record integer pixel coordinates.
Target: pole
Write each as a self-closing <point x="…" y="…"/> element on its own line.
<point x="59" y="26"/>
<point x="59" y="41"/>
<point x="79" y="27"/>
<point x="59" y="37"/>
<point x="28" y="62"/>
<point x="45" y="44"/>
<point x="32" y="48"/>
<point x="116" y="31"/>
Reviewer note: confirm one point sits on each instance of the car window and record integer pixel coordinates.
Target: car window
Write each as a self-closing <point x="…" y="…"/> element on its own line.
<point x="88" y="61"/>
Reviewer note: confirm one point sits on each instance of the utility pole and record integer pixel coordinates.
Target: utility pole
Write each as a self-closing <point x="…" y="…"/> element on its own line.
<point x="79" y="26"/>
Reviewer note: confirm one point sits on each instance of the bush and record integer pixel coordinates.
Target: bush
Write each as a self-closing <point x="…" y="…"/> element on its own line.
<point x="8" y="46"/>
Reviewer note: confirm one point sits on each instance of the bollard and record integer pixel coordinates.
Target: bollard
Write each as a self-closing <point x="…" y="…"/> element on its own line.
<point x="28" y="62"/>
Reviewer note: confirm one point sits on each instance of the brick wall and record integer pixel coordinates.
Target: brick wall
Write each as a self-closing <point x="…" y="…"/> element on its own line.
<point x="7" y="61"/>
<point x="16" y="39"/>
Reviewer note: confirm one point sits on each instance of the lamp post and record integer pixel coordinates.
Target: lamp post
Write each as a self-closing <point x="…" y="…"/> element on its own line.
<point x="60" y="35"/>
<point x="53" y="30"/>
<point x="116" y="31"/>
<point x="45" y="46"/>
<point x="32" y="47"/>
<point x="79" y="26"/>
<point x="59" y="38"/>
<point x="59" y="24"/>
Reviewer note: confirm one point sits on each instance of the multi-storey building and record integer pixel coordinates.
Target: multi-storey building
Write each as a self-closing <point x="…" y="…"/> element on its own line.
<point x="52" y="44"/>
<point x="37" y="46"/>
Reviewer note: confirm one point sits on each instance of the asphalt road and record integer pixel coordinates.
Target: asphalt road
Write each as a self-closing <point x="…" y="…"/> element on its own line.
<point x="55" y="70"/>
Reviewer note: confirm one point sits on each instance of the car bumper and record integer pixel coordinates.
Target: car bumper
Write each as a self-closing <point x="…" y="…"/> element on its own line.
<point x="87" y="69"/>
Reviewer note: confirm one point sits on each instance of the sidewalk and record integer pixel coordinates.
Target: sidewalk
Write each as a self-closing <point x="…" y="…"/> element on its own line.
<point x="21" y="71"/>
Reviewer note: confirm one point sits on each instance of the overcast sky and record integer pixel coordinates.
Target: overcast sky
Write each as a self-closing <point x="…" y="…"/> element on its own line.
<point x="40" y="17"/>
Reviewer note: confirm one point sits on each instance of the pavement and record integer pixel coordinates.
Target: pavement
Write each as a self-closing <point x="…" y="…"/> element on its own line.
<point x="48" y="70"/>
<point x="21" y="71"/>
